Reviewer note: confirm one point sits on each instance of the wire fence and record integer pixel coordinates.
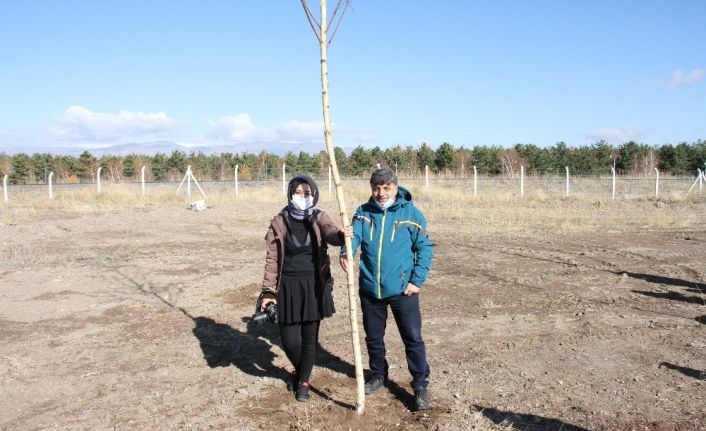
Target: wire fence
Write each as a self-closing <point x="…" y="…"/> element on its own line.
<point x="549" y="186"/>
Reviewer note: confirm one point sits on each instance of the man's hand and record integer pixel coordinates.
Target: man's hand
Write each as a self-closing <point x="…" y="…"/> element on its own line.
<point x="344" y="262"/>
<point x="411" y="290"/>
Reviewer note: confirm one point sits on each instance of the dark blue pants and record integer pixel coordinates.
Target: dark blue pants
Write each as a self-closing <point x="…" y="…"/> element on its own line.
<point x="405" y="310"/>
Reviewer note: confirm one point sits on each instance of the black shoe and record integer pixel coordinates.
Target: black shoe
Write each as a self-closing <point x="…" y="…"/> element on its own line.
<point x="375" y="383"/>
<point x="421" y="399"/>
<point x="293" y="382"/>
<point x="302" y="392"/>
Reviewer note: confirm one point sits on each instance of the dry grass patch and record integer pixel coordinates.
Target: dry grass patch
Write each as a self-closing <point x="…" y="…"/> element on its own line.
<point x="448" y="208"/>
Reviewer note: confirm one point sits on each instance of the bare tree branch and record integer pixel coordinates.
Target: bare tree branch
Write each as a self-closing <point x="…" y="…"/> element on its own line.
<point x="348" y="2"/>
<point x="312" y="21"/>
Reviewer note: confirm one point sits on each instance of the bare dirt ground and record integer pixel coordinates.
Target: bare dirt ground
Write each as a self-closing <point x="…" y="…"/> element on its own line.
<point x="137" y="320"/>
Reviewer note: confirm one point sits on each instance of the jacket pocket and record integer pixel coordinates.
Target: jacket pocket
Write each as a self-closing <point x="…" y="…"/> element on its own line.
<point x="398" y="225"/>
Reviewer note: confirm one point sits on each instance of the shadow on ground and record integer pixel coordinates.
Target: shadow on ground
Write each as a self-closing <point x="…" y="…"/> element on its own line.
<point x="668" y="281"/>
<point x="689" y="372"/>
<point x="673" y="296"/>
<point x="526" y="422"/>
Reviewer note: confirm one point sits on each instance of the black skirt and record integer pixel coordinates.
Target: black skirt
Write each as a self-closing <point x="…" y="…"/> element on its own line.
<point x="304" y="300"/>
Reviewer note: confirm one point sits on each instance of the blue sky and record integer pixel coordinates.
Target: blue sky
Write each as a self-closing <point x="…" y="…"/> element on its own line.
<point x="245" y="74"/>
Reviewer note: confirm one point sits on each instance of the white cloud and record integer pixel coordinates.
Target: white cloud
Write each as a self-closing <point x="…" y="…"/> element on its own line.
<point x="80" y="124"/>
<point x="300" y="131"/>
<point x="615" y="135"/>
<point x="231" y="128"/>
<point x="357" y="135"/>
<point x="240" y="128"/>
<point x="679" y="78"/>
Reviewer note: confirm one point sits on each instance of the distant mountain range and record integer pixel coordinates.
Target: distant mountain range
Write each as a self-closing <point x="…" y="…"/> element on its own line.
<point x="167" y="147"/>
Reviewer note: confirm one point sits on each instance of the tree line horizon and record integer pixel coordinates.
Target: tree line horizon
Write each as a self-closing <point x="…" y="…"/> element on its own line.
<point x="630" y="158"/>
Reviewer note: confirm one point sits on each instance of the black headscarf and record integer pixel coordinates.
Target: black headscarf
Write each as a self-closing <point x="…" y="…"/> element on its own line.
<point x="293" y="183"/>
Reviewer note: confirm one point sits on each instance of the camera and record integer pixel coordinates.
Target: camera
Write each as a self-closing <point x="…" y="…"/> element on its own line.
<point x="269" y="314"/>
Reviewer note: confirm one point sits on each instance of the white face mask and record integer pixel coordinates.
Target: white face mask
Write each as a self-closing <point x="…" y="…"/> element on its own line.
<point x="388" y="203"/>
<point x="302" y="203"/>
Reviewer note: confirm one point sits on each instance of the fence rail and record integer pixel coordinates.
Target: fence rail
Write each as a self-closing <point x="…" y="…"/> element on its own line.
<point x="613" y="186"/>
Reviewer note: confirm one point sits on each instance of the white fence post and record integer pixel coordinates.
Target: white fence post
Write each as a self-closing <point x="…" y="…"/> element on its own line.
<point x="426" y="175"/>
<point x="142" y="179"/>
<point x="51" y="194"/>
<point x="475" y="181"/>
<point x="98" y="179"/>
<point x="188" y="181"/>
<point x="567" y="181"/>
<point x="657" y="183"/>
<point x="612" y="169"/>
<point x="188" y="177"/>
<point x="284" y="184"/>
<point x="236" y="180"/>
<point x="701" y="177"/>
<point x="522" y="181"/>
<point x="4" y="186"/>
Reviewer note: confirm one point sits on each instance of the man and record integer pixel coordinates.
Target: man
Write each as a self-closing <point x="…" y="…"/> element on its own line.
<point x="396" y="253"/>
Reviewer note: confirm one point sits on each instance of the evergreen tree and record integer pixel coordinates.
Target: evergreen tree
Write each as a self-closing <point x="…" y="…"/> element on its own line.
<point x="674" y="160"/>
<point x="487" y="160"/>
<point x="200" y="165"/>
<point x="159" y="166"/>
<point x="308" y="164"/>
<point x="631" y="157"/>
<point x="377" y="156"/>
<point x="86" y="167"/>
<point x="445" y="157"/>
<point x="425" y="157"/>
<point x="361" y="160"/>
<point x="560" y="156"/>
<point x="292" y="162"/>
<point x="344" y="167"/>
<point x="535" y="160"/>
<point x="129" y="166"/>
<point x="696" y="155"/>
<point x="42" y="164"/>
<point x="177" y="162"/>
<point x="21" y="169"/>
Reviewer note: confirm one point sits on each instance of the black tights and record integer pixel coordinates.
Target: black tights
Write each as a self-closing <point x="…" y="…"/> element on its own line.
<point x="299" y="343"/>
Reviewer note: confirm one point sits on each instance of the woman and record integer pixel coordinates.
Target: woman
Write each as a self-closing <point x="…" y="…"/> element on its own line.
<point x="298" y="276"/>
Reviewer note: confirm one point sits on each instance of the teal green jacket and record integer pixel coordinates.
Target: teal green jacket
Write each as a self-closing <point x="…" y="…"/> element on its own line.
<point x="395" y="247"/>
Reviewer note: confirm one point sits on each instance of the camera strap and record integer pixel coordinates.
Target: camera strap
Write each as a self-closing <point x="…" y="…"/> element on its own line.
<point x="290" y="233"/>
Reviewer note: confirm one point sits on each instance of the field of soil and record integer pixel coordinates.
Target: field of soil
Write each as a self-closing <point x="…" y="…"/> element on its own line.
<point x="138" y="319"/>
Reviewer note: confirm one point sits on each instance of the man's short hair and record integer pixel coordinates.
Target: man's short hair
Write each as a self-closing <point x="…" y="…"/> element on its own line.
<point x="383" y="176"/>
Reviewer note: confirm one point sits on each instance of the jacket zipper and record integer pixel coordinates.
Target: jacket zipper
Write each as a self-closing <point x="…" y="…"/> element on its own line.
<point x="382" y="233"/>
<point x="399" y="223"/>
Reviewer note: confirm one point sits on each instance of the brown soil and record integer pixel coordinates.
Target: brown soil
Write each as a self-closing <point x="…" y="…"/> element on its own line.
<point x="138" y="320"/>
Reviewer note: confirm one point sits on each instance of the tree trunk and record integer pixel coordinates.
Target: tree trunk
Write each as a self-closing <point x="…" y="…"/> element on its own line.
<point x="353" y="308"/>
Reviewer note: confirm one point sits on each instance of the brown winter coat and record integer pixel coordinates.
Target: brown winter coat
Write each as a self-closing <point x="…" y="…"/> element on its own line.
<point x="324" y="231"/>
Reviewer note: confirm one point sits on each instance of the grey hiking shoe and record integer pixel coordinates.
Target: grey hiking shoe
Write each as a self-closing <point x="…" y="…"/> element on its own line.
<point x="375" y="383"/>
<point x="302" y="393"/>
<point x="421" y="399"/>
